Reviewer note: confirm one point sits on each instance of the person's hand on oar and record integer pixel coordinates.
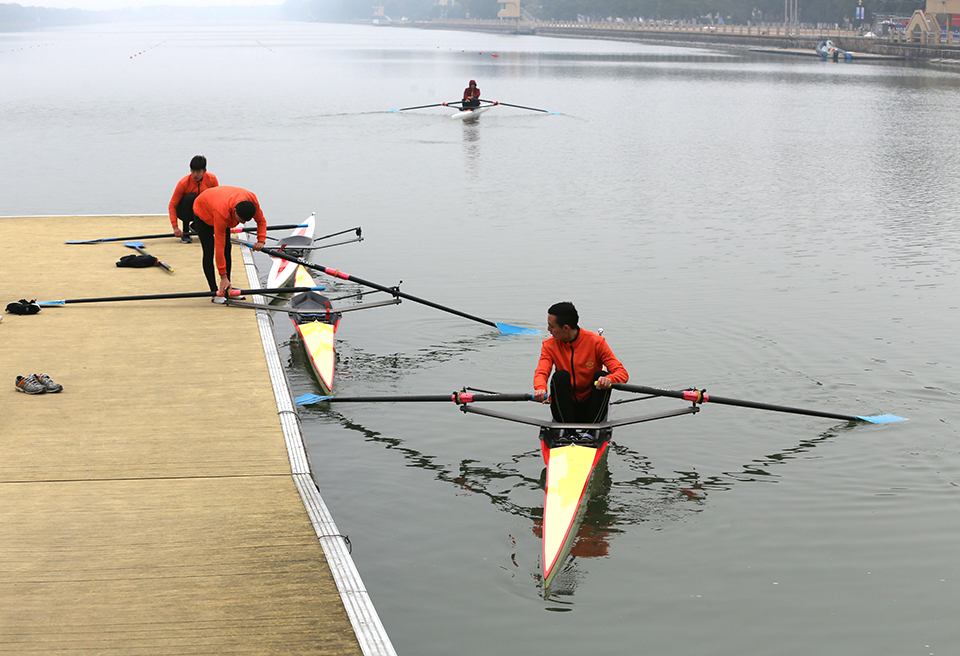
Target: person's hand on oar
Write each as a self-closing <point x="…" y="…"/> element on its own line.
<point x="225" y="287"/>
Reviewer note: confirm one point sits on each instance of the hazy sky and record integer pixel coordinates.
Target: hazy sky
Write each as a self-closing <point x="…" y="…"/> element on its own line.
<point x="120" y="4"/>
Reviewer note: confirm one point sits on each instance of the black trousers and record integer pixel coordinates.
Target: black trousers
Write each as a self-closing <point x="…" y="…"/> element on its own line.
<point x="566" y="410"/>
<point x="185" y="212"/>
<point x="470" y="103"/>
<point x="208" y="243"/>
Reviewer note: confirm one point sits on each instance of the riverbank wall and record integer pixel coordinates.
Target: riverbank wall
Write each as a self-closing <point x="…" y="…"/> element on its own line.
<point x="732" y="36"/>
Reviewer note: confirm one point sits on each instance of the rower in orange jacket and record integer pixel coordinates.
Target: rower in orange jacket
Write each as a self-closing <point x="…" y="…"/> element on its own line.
<point x="585" y="369"/>
<point x="219" y="209"/>
<point x="186" y="191"/>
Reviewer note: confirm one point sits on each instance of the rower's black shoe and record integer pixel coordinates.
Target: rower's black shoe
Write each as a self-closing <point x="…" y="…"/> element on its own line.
<point x="584" y="439"/>
<point x="186" y="240"/>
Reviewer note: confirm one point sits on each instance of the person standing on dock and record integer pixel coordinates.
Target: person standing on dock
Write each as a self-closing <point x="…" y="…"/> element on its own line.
<point x="218" y="209"/>
<point x="471" y="95"/>
<point x="585" y="369"/>
<point x="186" y="191"/>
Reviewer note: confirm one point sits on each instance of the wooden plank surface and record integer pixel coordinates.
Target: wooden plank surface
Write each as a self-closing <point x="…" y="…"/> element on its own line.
<point x="149" y="507"/>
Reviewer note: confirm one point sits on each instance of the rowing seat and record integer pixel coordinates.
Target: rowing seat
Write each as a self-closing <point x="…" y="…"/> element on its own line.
<point x="295" y="245"/>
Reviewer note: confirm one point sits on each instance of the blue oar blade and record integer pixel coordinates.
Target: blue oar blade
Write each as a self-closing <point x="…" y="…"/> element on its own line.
<point x="507" y="329"/>
<point x="881" y="419"/>
<point x="310" y="399"/>
<point x="51" y="303"/>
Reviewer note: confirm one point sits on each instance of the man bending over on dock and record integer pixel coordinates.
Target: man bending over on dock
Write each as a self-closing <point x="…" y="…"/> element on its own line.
<point x="585" y="369"/>
<point x="218" y="209"/>
<point x="186" y="191"/>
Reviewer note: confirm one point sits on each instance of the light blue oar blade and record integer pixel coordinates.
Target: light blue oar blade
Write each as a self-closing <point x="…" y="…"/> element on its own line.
<point x="507" y="329"/>
<point x="882" y="419"/>
<point x="49" y="303"/>
<point x="310" y="399"/>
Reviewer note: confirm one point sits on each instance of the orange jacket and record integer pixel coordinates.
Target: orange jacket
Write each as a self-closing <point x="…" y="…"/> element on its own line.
<point x="215" y="208"/>
<point x="582" y="357"/>
<point x="188" y="186"/>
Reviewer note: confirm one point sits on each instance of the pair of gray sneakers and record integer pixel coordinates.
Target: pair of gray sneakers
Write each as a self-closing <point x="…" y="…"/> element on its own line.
<point x="37" y="384"/>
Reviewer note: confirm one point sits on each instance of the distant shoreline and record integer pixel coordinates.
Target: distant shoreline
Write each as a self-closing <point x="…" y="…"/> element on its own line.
<point x="767" y="37"/>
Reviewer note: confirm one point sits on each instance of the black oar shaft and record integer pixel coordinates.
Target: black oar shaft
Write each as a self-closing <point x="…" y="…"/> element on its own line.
<point x="403" y="109"/>
<point x="152" y="297"/>
<point x="360" y="281"/>
<point x="456" y="397"/>
<point x="286" y="226"/>
<point x="160" y="263"/>
<point x="532" y="109"/>
<point x="697" y="397"/>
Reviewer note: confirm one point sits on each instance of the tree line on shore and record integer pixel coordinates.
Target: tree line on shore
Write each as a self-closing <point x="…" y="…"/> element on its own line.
<point x="735" y="12"/>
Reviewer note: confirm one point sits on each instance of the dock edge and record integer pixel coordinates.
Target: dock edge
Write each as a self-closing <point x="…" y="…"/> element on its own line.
<point x="367" y="626"/>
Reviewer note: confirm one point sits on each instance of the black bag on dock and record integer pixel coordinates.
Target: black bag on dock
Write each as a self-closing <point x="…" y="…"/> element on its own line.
<point x="137" y="261"/>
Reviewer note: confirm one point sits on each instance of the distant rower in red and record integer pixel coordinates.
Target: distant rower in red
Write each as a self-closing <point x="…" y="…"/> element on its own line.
<point x="471" y="96"/>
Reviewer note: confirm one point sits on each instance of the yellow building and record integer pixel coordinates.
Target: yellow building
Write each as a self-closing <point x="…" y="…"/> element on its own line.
<point x="927" y="26"/>
<point x="511" y="8"/>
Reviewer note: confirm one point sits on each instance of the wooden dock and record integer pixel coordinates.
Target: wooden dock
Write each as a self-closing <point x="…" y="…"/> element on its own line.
<point x="163" y="502"/>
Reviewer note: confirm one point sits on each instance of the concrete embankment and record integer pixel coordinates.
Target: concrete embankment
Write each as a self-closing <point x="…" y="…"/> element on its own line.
<point x="699" y="35"/>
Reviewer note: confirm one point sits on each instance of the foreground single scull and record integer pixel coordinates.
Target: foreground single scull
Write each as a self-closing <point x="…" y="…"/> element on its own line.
<point x="574" y="453"/>
<point x="317" y="330"/>
<point x="316" y="322"/>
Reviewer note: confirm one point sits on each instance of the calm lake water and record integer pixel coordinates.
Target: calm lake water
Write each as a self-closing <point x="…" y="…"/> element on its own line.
<point x="773" y="229"/>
